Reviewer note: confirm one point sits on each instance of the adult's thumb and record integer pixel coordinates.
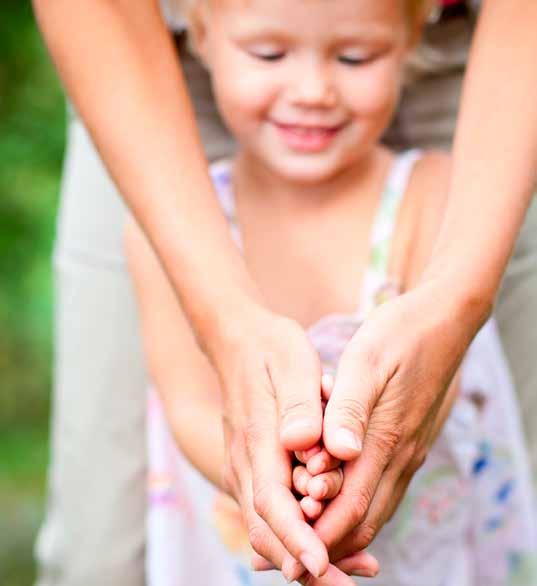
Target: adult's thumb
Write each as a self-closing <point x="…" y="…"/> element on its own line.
<point x="349" y="408"/>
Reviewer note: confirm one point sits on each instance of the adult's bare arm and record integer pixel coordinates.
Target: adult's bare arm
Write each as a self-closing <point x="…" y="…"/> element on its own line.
<point x="394" y="375"/>
<point x="117" y="62"/>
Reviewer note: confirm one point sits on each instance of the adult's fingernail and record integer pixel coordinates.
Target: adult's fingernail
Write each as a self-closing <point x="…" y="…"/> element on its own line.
<point x="347" y="439"/>
<point x="291" y="569"/>
<point x="287" y="576"/>
<point x="260" y="564"/>
<point x="311" y="564"/>
<point x="365" y="573"/>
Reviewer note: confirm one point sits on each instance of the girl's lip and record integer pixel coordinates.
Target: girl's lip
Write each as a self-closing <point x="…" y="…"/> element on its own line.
<point x="307" y="138"/>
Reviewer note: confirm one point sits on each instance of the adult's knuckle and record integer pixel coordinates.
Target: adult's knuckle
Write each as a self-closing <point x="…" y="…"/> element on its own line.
<point x="296" y="406"/>
<point x="235" y="457"/>
<point x="262" y="500"/>
<point x="365" y="535"/>
<point x="257" y="535"/>
<point x="252" y="434"/>
<point x="359" y="500"/>
<point x="418" y="459"/>
<point x="353" y="411"/>
<point x="370" y="356"/>
<point x="388" y="440"/>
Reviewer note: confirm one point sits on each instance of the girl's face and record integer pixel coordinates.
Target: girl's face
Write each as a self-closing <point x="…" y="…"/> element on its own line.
<point x="306" y="86"/>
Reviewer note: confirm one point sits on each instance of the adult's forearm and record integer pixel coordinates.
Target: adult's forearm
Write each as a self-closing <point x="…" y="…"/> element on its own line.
<point x="120" y="68"/>
<point x="494" y="156"/>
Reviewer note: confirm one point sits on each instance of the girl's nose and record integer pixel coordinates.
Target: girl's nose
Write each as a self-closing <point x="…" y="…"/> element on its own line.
<point x="312" y="86"/>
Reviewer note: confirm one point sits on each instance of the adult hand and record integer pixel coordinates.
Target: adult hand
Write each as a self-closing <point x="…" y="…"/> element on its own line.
<point x="389" y="402"/>
<point x="270" y="376"/>
<point x="271" y="381"/>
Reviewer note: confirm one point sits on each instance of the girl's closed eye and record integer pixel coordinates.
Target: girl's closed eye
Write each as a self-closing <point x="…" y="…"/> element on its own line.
<point x="354" y="58"/>
<point x="266" y="52"/>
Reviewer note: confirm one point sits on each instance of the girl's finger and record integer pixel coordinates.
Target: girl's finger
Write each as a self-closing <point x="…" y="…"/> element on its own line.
<point x="312" y="508"/>
<point x="322" y="462"/>
<point x="325" y="486"/>
<point x="305" y="455"/>
<point x="327" y="384"/>
<point x="301" y="477"/>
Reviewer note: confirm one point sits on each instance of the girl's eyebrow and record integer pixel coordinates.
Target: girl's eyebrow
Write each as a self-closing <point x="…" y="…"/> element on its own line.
<point x="362" y="32"/>
<point x="373" y="33"/>
<point x="252" y="31"/>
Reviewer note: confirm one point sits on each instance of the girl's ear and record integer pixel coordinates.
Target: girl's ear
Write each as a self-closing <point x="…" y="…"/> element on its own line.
<point x="197" y="27"/>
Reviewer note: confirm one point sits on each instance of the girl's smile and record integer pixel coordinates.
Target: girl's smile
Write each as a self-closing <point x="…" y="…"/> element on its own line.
<point x="308" y="138"/>
<point x="305" y="103"/>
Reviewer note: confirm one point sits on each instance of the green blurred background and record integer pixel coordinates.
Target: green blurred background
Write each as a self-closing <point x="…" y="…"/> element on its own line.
<point x="32" y="134"/>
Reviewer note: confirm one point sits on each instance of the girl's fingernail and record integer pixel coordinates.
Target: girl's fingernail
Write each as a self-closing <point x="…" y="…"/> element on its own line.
<point x="327" y="382"/>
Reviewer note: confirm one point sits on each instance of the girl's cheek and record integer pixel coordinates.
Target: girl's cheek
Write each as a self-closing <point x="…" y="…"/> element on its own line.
<point x="245" y="102"/>
<point x="375" y="93"/>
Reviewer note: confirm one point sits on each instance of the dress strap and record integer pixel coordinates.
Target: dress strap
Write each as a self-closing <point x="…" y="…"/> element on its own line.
<point x="376" y="277"/>
<point x="221" y="175"/>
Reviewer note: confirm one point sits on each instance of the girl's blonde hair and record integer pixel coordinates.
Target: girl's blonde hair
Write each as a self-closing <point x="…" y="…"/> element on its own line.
<point x="418" y="10"/>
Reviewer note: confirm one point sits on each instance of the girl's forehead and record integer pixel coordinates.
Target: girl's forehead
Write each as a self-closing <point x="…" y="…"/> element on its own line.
<point x="312" y="18"/>
<point x="324" y="8"/>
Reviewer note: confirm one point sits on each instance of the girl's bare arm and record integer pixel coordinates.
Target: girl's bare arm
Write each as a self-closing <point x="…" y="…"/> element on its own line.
<point x="181" y="374"/>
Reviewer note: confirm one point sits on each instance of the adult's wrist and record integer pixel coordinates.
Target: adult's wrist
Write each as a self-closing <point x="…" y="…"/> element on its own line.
<point x="465" y="300"/>
<point x="229" y="323"/>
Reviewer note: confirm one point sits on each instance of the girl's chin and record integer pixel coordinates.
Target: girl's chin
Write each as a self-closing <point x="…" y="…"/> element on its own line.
<point x="312" y="169"/>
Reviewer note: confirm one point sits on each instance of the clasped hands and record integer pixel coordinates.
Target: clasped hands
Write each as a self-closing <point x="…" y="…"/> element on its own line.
<point x="391" y="397"/>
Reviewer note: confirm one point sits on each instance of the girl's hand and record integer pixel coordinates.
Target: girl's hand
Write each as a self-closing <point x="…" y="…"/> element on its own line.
<point x="322" y="477"/>
<point x="316" y="489"/>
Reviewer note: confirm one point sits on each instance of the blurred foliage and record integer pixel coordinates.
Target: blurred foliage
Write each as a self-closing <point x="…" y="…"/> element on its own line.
<point x="32" y="131"/>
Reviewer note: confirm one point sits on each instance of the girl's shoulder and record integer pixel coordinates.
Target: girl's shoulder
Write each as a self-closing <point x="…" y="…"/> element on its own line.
<point x="423" y="211"/>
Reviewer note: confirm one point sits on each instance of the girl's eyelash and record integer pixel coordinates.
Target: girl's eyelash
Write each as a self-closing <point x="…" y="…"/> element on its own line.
<point x="352" y="60"/>
<point x="268" y="56"/>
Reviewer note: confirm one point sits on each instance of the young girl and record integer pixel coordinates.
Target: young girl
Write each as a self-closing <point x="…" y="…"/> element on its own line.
<point x="330" y="224"/>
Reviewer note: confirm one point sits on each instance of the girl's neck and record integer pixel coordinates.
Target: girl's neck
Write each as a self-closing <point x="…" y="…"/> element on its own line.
<point x="307" y="245"/>
<point x="267" y="188"/>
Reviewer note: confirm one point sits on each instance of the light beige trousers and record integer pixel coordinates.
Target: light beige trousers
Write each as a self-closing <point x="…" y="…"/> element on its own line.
<point x="93" y="534"/>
